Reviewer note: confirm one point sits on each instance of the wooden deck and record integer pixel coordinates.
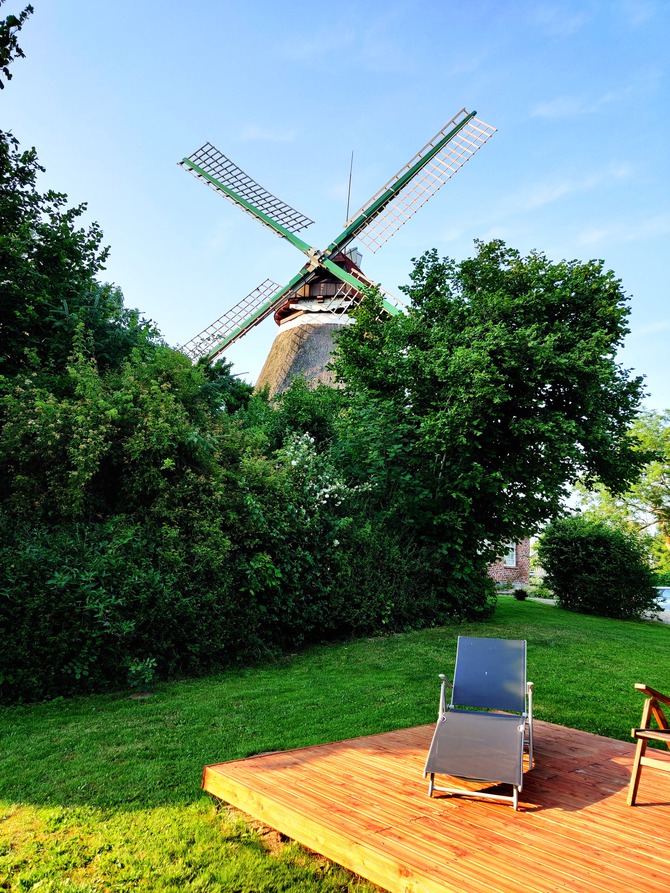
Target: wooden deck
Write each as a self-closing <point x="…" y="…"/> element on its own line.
<point x="363" y="803"/>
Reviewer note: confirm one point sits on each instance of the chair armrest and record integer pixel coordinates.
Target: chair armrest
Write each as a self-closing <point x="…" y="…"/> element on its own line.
<point x="652" y="734"/>
<point x="652" y="693"/>
<point x="443" y="694"/>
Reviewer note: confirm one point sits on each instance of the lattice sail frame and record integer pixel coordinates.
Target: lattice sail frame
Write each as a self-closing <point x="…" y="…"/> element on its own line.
<point x="375" y="232"/>
<point x="243" y="316"/>
<point x="210" y="160"/>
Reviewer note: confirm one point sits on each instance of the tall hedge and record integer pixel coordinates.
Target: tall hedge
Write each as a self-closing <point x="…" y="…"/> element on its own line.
<point x="593" y="568"/>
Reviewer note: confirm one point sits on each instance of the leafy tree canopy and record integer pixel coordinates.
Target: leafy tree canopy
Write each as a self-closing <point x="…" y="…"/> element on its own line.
<point x="49" y="268"/>
<point x="478" y="409"/>
<point x="9" y="46"/>
<point x="304" y="408"/>
<point x="645" y="506"/>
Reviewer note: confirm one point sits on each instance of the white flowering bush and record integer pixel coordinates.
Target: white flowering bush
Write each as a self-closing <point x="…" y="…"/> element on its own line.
<point x="313" y="473"/>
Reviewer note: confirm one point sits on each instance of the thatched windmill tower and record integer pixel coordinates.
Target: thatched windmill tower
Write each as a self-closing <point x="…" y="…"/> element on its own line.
<point x="310" y="308"/>
<point x="307" y="321"/>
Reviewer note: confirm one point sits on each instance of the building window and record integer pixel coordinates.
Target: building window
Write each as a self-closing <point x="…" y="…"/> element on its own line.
<point x="510" y="556"/>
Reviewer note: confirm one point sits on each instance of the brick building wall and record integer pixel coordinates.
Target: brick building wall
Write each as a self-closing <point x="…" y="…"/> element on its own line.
<point x="515" y="567"/>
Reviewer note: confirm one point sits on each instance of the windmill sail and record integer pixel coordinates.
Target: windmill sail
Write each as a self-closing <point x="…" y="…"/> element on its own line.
<point x="223" y="176"/>
<point x="246" y="314"/>
<point x="418" y="180"/>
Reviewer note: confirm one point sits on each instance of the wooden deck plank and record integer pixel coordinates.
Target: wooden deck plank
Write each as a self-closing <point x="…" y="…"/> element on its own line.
<point x="363" y="803"/>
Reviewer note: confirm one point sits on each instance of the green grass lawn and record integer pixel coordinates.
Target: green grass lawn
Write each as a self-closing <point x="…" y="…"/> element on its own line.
<point x="103" y="793"/>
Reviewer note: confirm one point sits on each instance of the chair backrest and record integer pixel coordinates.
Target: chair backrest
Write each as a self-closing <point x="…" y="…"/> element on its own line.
<point x="490" y="673"/>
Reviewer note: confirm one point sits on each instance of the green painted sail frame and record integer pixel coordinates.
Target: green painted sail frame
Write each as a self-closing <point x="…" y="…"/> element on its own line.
<point x="390" y="193"/>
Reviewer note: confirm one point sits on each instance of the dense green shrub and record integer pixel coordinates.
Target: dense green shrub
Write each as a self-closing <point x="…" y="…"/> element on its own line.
<point x="388" y="585"/>
<point x="81" y="602"/>
<point x="252" y="557"/>
<point x="593" y="568"/>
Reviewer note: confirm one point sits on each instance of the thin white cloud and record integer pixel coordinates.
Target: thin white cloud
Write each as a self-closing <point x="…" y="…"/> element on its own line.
<point x="562" y="107"/>
<point x="644" y="82"/>
<point x="451" y="234"/>
<point x="317" y="45"/>
<point x="575" y="106"/>
<point x="540" y="194"/>
<point x="258" y="133"/>
<point x="556" y="21"/>
<point x="372" y="45"/>
<point x="547" y="193"/>
<point x="627" y="231"/>
<point x="652" y="328"/>
<point x="637" y="12"/>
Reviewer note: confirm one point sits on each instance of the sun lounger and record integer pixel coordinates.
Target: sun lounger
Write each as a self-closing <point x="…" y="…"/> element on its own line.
<point x="480" y="734"/>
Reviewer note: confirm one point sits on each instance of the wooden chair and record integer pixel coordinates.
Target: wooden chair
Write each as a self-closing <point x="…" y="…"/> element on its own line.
<point x="652" y="710"/>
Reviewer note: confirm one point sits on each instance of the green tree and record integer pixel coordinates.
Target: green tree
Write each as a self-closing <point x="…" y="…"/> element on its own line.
<point x="90" y="444"/>
<point x="126" y="526"/>
<point x="474" y="413"/>
<point x="49" y="269"/>
<point x="224" y="389"/>
<point x="304" y="408"/>
<point x="645" y="506"/>
<point x="9" y="46"/>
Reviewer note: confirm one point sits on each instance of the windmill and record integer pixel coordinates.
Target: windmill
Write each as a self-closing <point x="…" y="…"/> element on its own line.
<point x="310" y="307"/>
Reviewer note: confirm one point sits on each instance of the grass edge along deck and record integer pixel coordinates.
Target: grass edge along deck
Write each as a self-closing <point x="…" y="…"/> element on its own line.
<point x="363" y="803"/>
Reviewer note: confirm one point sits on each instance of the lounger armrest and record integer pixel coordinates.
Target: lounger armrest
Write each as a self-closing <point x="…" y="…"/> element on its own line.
<point x="652" y="693"/>
<point x="443" y="694"/>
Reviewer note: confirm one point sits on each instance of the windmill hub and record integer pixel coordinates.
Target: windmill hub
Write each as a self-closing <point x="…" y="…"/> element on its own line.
<point x="315" y="255"/>
<point x="324" y="291"/>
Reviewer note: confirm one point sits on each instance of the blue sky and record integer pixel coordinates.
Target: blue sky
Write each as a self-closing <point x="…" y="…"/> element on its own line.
<point x="113" y="95"/>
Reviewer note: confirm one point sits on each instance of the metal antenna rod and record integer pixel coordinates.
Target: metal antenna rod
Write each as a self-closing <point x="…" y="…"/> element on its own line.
<point x="351" y="168"/>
